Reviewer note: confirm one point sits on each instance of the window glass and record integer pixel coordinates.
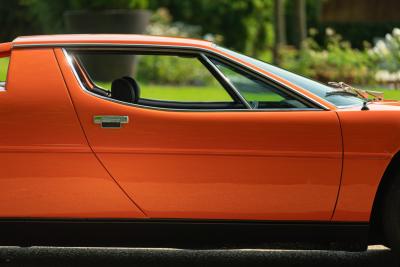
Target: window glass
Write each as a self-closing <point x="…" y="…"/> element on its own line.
<point x="314" y="87"/>
<point x="160" y="77"/>
<point x="258" y="93"/>
<point x="177" y="78"/>
<point x="3" y="71"/>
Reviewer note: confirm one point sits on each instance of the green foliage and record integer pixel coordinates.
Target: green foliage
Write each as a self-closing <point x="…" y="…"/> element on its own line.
<point x="161" y="23"/>
<point x="172" y="70"/>
<point x="16" y="19"/>
<point x="107" y="4"/>
<point x="356" y="32"/>
<point x="49" y="13"/>
<point x="338" y="61"/>
<point x="245" y="25"/>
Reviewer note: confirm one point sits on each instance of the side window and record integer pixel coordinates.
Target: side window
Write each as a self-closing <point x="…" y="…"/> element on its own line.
<point x="258" y="93"/>
<point x="159" y="80"/>
<point x="3" y="71"/>
<point x="182" y="79"/>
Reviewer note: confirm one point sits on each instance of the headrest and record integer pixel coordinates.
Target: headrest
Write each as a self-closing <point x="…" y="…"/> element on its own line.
<point x="135" y="86"/>
<point x="122" y="90"/>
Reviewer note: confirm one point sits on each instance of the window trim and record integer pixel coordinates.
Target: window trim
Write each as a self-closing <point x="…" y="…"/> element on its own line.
<point x="89" y="85"/>
<point x="184" y="49"/>
<point x="232" y="89"/>
<point x="263" y="79"/>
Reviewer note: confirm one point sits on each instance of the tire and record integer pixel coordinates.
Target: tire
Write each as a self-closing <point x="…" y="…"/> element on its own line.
<point x="391" y="215"/>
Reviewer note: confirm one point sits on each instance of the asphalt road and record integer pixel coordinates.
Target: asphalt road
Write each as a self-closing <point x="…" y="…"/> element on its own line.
<point x="115" y="257"/>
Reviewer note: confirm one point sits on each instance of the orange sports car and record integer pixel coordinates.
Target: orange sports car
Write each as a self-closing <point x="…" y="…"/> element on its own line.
<point x="159" y="141"/>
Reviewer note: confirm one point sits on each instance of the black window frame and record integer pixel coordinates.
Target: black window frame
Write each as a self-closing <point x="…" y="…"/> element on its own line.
<point x="252" y="75"/>
<point x="236" y="104"/>
<point x="204" y="56"/>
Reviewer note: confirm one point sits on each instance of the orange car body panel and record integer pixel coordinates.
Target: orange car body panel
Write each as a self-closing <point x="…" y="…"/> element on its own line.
<point x="5" y="49"/>
<point x="150" y="167"/>
<point x="370" y="140"/>
<point x="227" y="165"/>
<point x="47" y="168"/>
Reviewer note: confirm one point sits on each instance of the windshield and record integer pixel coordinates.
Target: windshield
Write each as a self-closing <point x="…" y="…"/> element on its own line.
<point x="317" y="88"/>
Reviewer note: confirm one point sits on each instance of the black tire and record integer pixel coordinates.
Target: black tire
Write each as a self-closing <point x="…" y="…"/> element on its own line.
<point x="391" y="215"/>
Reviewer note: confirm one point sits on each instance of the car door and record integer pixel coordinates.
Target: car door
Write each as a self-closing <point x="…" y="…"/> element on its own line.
<point x="223" y="162"/>
<point x="47" y="169"/>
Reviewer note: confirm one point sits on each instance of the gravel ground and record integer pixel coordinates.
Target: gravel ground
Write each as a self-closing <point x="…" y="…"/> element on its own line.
<point x="115" y="257"/>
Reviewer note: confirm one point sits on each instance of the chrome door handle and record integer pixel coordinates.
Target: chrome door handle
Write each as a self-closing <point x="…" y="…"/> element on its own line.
<point x="110" y="121"/>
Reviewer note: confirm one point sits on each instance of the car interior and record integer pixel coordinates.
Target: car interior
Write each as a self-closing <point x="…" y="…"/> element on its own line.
<point x="126" y="89"/>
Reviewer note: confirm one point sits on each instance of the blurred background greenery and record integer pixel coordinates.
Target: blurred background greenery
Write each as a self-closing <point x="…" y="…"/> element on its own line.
<point x="355" y="41"/>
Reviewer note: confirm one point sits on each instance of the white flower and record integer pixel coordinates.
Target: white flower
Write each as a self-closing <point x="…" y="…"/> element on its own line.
<point x="329" y="31"/>
<point x="381" y="48"/>
<point x="386" y="76"/>
<point x="396" y="32"/>
<point x="382" y="76"/>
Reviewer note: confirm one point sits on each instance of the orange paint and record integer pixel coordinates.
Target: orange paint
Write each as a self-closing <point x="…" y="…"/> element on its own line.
<point x="47" y="168"/>
<point x="266" y="165"/>
<point x="227" y="165"/>
<point x="5" y="49"/>
<point x="370" y="141"/>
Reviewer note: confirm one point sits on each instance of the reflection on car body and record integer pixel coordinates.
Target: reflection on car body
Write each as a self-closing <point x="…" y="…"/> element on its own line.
<point x="240" y="154"/>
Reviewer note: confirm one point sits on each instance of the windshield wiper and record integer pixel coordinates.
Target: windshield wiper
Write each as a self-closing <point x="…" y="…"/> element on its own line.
<point x="345" y="89"/>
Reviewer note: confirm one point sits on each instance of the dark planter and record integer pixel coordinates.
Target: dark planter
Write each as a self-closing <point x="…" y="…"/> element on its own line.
<point x="106" y="68"/>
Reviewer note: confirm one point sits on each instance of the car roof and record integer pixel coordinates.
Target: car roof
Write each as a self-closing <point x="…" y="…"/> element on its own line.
<point x="111" y="39"/>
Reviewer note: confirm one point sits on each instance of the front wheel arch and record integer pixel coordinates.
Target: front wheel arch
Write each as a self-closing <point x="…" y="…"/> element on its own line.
<point x="389" y="176"/>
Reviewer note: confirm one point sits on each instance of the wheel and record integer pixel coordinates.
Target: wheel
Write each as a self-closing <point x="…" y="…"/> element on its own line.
<point x="391" y="215"/>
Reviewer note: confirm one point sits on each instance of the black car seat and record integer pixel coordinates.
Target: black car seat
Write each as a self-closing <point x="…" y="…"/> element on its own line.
<point x="122" y="90"/>
<point x="135" y="86"/>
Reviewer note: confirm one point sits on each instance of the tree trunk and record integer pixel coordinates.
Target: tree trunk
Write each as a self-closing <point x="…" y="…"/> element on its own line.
<point x="300" y="21"/>
<point x="280" y="29"/>
<point x="122" y="21"/>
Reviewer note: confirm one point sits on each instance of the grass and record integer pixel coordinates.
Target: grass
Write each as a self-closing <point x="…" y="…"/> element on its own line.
<point x="3" y="68"/>
<point x="215" y="93"/>
<point x="192" y="93"/>
<point x="179" y="93"/>
<point x="390" y="94"/>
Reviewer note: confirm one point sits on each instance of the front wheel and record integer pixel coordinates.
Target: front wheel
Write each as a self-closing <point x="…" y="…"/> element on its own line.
<point x="391" y="215"/>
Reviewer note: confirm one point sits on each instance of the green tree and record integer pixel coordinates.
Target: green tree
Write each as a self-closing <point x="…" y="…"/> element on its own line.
<point x="107" y="4"/>
<point x="280" y="29"/>
<point x="244" y="24"/>
<point x="300" y="25"/>
<point x="16" y="19"/>
<point x="50" y="12"/>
